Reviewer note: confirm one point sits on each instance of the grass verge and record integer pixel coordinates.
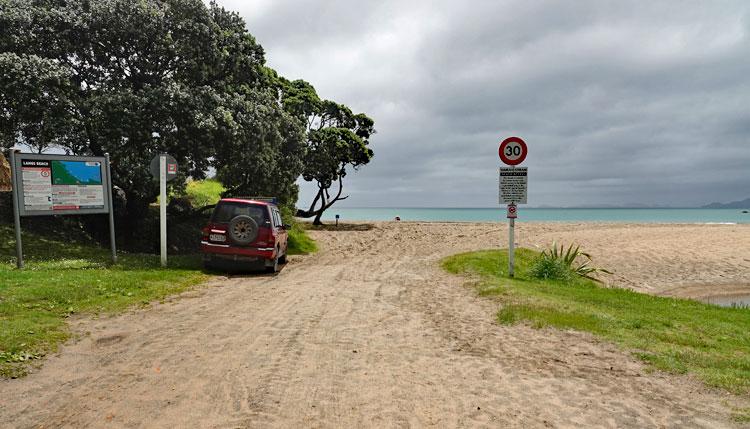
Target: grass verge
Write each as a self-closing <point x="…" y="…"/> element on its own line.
<point x="674" y="335"/>
<point x="299" y="242"/>
<point x="63" y="278"/>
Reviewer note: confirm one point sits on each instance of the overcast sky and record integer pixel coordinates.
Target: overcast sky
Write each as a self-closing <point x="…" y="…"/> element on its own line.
<point x="619" y="102"/>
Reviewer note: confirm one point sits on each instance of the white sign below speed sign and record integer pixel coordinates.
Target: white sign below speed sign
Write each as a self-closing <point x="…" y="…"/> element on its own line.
<point x="513" y="185"/>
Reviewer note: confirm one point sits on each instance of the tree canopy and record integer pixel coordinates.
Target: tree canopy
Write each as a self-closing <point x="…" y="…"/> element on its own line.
<point x="136" y="78"/>
<point x="337" y="140"/>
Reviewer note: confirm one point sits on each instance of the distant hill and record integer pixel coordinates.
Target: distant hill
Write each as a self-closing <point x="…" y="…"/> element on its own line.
<point x="744" y="204"/>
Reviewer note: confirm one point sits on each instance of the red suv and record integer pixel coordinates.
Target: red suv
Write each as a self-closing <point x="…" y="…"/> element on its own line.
<point x="245" y="232"/>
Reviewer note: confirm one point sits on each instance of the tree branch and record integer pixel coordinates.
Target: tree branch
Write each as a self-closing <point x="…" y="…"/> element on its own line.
<point x="317" y="197"/>
<point x="338" y="194"/>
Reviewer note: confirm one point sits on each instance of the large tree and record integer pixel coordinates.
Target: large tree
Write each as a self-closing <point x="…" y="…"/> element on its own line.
<point x="337" y="141"/>
<point x="135" y="78"/>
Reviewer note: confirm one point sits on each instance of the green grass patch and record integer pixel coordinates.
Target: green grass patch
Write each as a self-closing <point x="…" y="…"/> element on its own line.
<point x="204" y="192"/>
<point x="674" y="335"/>
<point x="299" y="242"/>
<point x="63" y="278"/>
<point x="741" y="415"/>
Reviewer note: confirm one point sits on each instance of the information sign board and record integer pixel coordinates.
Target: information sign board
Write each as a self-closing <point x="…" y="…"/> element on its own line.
<point x="45" y="185"/>
<point x="61" y="184"/>
<point x="513" y="185"/>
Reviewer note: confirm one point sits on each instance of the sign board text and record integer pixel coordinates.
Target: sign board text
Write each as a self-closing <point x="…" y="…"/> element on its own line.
<point x="513" y="185"/>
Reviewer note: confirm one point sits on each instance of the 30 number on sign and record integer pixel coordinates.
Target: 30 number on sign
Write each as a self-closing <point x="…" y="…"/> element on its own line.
<point x="513" y="151"/>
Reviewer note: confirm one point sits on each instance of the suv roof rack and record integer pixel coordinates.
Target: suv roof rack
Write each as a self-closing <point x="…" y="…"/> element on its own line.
<point x="272" y="200"/>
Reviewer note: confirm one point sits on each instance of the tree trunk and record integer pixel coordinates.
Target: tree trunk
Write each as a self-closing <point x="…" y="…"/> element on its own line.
<point x="317" y="218"/>
<point x="324" y="205"/>
<point x="305" y="214"/>
<point x="4" y="174"/>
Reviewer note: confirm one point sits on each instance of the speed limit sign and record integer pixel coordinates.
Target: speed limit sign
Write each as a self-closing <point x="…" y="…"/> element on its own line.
<point x="513" y="151"/>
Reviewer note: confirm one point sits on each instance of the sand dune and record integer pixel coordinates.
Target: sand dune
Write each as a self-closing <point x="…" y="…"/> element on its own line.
<point x="371" y="333"/>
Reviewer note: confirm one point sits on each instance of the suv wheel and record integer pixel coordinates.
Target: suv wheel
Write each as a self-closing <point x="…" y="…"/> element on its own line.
<point x="243" y="229"/>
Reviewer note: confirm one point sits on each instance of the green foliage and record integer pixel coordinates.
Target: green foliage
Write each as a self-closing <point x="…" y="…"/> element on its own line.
<point x="336" y="140"/>
<point x="545" y="267"/>
<point x="299" y="242"/>
<point x="674" y="335"/>
<point x="65" y="277"/>
<point x="36" y="105"/>
<point x="262" y="148"/>
<point x="560" y="263"/>
<point x="138" y="78"/>
<point x="202" y="193"/>
<point x="741" y="415"/>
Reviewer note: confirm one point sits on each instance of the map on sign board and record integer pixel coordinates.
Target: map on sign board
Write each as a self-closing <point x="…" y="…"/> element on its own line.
<point x="55" y="185"/>
<point x="77" y="185"/>
<point x="513" y="185"/>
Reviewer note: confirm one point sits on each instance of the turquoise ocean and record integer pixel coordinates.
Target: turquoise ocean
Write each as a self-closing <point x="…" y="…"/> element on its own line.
<point x="541" y="215"/>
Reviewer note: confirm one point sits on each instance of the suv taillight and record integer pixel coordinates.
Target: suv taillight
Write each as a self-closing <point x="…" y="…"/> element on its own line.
<point x="264" y="236"/>
<point x="204" y="233"/>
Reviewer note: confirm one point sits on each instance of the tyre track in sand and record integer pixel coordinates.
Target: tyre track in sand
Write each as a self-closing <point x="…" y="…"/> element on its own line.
<point x="367" y="333"/>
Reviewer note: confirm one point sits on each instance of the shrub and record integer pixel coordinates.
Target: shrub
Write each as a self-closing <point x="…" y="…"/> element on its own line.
<point x="560" y="264"/>
<point x="548" y="268"/>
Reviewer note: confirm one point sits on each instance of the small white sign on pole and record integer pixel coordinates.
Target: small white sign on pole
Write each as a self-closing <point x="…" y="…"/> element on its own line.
<point x="164" y="168"/>
<point x="163" y="208"/>
<point x="514" y="183"/>
<point x="512" y="211"/>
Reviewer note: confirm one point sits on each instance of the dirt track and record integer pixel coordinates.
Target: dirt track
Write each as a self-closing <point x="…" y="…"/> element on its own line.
<point x="367" y="333"/>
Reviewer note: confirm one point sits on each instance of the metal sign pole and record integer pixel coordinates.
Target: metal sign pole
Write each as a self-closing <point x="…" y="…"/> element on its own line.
<point x="15" y="183"/>
<point x="112" y="244"/>
<point x="511" y="243"/>
<point x="511" y="247"/>
<point x="163" y="207"/>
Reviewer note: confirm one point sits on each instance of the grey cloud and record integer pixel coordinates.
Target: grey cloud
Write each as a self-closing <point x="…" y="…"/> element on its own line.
<point x="620" y="102"/>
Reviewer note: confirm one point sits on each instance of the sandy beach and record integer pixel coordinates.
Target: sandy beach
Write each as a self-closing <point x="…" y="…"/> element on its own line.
<point x="370" y="332"/>
<point x="691" y="261"/>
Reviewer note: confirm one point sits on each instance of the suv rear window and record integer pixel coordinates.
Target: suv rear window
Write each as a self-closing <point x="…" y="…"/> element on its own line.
<point x="225" y="211"/>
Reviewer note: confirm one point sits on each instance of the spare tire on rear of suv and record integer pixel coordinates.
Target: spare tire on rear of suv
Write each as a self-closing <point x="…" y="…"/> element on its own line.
<point x="243" y="229"/>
